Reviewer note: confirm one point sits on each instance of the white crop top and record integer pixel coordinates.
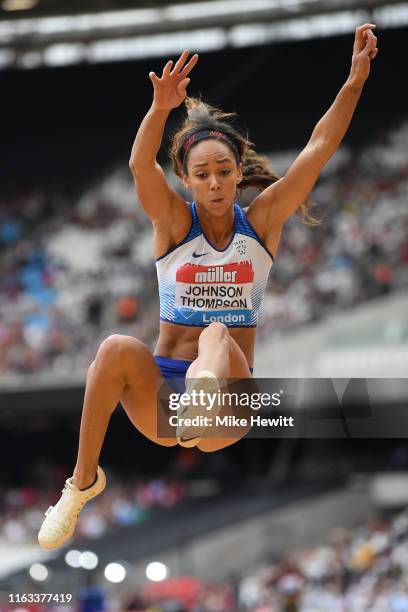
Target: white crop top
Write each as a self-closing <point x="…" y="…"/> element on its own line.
<point x="200" y="284"/>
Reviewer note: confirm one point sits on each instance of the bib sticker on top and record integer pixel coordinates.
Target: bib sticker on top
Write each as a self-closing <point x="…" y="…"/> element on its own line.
<point x="205" y="294"/>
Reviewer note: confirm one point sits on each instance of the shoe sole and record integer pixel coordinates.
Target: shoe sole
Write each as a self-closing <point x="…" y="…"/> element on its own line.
<point x="208" y="385"/>
<point x="50" y="546"/>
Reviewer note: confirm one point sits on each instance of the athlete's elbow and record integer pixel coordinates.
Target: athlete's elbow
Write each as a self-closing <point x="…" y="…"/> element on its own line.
<point x="133" y="166"/>
<point x="137" y="166"/>
<point x="136" y="161"/>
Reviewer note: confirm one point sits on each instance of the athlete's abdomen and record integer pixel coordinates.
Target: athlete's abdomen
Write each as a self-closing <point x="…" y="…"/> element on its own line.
<point x="181" y="341"/>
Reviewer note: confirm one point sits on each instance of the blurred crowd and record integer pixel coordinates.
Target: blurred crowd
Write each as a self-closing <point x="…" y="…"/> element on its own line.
<point x="364" y="569"/>
<point x="74" y="272"/>
<point x="360" y="570"/>
<point x="71" y="274"/>
<point x="360" y="249"/>
<point x="124" y="503"/>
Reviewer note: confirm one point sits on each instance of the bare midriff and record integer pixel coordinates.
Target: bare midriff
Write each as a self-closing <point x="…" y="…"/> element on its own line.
<point x="181" y="341"/>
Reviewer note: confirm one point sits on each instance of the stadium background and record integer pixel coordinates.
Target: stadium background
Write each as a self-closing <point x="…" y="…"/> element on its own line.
<point x="224" y="524"/>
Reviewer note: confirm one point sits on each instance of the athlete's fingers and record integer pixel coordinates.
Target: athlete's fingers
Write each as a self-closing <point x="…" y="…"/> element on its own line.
<point x="188" y="67"/>
<point x="373" y="54"/>
<point x="181" y="87"/>
<point x="373" y="39"/>
<point x="360" y="36"/>
<point x="180" y="61"/>
<point x="367" y="48"/>
<point x="362" y="28"/>
<point x="370" y="43"/>
<point x="367" y="42"/>
<point x="370" y="36"/>
<point x="167" y="68"/>
<point x="153" y="77"/>
<point x="373" y="36"/>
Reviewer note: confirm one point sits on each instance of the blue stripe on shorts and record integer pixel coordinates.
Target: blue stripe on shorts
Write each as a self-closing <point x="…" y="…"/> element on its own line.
<point x="174" y="371"/>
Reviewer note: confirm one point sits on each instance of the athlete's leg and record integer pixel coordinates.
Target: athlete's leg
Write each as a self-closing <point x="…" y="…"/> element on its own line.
<point x="124" y="370"/>
<point x="219" y="353"/>
<point x="214" y="349"/>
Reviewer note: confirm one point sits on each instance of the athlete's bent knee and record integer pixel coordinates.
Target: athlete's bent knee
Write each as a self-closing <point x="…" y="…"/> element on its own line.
<point x="217" y="327"/>
<point x="110" y="352"/>
<point x="111" y="344"/>
<point x="90" y="370"/>
<point x="215" y="330"/>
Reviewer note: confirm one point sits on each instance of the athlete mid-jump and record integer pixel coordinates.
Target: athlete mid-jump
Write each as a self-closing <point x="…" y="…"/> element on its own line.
<point x="213" y="260"/>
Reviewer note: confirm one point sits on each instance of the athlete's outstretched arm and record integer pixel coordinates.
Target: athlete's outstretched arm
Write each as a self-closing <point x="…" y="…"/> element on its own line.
<point x="279" y="201"/>
<point x="169" y="92"/>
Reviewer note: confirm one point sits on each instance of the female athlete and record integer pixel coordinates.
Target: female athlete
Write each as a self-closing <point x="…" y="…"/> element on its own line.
<point x="213" y="260"/>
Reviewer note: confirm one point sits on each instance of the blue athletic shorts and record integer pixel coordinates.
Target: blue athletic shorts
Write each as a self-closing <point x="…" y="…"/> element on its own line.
<point x="174" y="371"/>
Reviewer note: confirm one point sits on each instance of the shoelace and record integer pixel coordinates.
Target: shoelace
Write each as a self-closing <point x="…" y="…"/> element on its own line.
<point x="68" y="487"/>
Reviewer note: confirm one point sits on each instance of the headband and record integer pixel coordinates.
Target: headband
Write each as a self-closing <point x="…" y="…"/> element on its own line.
<point x="202" y="135"/>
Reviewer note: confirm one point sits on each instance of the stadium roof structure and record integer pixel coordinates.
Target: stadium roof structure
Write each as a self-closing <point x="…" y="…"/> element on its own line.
<point x="16" y="9"/>
<point x="60" y="32"/>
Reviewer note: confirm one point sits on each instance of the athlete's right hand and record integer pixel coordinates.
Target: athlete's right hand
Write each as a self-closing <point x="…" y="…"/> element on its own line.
<point x="170" y="88"/>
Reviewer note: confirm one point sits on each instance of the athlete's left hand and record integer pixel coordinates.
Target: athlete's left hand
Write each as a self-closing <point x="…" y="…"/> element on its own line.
<point x="365" y="50"/>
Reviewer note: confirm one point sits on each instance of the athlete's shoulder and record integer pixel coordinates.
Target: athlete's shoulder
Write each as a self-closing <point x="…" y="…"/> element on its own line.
<point x="180" y="232"/>
<point x="250" y="225"/>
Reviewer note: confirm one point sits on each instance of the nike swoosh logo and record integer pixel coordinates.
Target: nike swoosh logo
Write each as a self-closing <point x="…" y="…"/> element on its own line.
<point x="199" y="254"/>
<point x="182" y="439"/>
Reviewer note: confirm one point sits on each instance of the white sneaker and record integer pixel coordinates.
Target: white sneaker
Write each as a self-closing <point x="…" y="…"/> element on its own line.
<point x="61" y="519"/>
<point x="190" y="435"/>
